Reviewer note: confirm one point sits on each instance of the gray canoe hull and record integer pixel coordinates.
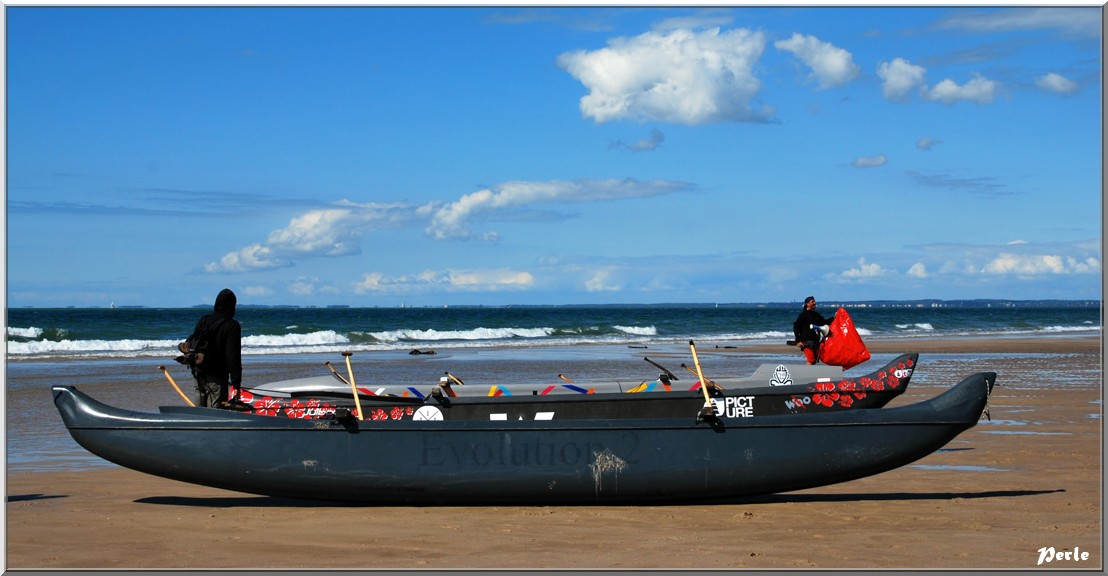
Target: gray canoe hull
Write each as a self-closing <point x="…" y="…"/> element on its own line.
<point x="520" y="461"/>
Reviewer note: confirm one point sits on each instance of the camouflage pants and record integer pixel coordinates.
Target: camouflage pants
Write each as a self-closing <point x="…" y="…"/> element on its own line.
<point x="211" y="392"/>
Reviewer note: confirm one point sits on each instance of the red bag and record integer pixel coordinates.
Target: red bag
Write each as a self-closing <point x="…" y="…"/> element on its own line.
<point x="843" y="346"/>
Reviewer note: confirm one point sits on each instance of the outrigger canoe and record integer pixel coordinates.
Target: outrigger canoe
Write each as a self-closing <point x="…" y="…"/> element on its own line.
<point x="773" y="389"/>
<point x="570" y="458"/>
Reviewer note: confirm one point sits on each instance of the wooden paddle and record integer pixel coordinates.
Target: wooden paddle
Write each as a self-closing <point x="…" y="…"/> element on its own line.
<point x="353" y="388"/>
<point x="710" y="382"/>
<point x="175" y="387"/>
<point x="335" y="372"/>
<point x="700" y="375"/>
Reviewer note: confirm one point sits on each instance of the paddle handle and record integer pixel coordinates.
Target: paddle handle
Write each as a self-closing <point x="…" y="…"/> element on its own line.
<point x="700" y="374"/>
<point x="353" y="388"/>
<point x="175" y="386"/>
<point x="335" y="372"/>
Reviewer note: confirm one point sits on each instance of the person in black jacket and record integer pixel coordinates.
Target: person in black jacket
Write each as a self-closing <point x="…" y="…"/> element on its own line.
<point x="221" y="365"/>
<point x="807" y="339"/>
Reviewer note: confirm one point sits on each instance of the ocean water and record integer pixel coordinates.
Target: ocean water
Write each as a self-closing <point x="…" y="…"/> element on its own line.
<point x="49" y="334"/>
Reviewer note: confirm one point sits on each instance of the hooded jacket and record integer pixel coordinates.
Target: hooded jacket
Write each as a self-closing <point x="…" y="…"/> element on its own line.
<point x="223" y="359"/>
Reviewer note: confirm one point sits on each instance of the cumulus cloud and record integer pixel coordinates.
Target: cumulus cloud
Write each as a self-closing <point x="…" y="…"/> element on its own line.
<point x="865" y="270"/>
<point x="328" y="232"/>
<point x="325" y="232"/>
<point x="484" y="280"/>
<point x="980" y="90"/>
<point x="918" y="270"/>
<point x="1040" y="264"/>
<point x="899" y="78"/>
<point x="453" y="220"/>
<point x="831" y="66"/>
<point x="1014" y="260"/>
<point x="862" y="272"/>
<point x="338" y="230"/>
<point x="678" y="76"/>
<point x="1054" y="82"/>
<point x="253" y="257"/>
<point x="870" y="161"/>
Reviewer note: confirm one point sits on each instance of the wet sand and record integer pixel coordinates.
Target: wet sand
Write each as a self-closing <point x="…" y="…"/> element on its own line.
<point x="1026" y="480"/>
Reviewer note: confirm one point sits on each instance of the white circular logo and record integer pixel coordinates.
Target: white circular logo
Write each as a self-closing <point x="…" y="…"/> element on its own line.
<point x="427" y="413"/>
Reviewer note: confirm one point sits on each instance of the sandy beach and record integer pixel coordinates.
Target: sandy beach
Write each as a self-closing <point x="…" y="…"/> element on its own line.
<point x="1027" y="480"/>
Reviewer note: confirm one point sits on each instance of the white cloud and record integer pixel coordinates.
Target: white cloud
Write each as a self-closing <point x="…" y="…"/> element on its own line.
<point x="305" y="286"/>
<point x="1054" y="82"/>
<point x="678" y="76"/>
<point x="899" y="78"/>
<point x="497" y="279"/>
<point x="332" y="232"/>
<point x="253" y="257"/>
<point x="301" y="288"/>
<point x="955" y="267"/>
<point x="870" y="161"/>
<point x="831" y="66"/>
<point x="980" y="90"/>
<point x="918" y="270"/>
<point x="257" y="291"/>
<point x="324" y="232"/>
<point x="863" y="271"/>
<point x="483" y="280"/>
<point x="601" y="281"/>
<point x="452" y="220"/>
<point x="1039" y="265"/>
<point x="927" y="143"/>
<point x="338" y="230"/>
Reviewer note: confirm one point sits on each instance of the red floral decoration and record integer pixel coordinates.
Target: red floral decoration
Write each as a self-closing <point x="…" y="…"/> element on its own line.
<point x="267" y="406"/>
<point x="295" y="409"/>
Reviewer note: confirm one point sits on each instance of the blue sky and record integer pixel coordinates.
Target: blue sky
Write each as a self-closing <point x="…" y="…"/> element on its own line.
<point x="503" y="155"/>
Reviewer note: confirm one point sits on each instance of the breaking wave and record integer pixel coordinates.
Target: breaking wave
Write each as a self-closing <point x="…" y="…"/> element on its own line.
<point x="433" y="335"/>
<point x="638" y="330"/>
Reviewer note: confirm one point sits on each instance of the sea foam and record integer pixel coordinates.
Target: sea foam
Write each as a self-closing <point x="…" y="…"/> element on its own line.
<point x="31" y="332"/>
<point x="474" y="334"/>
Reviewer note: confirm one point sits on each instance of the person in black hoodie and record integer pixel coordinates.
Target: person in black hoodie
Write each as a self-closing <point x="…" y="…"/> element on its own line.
<point x="807" y="339"/>
<point x="221" y="366"/>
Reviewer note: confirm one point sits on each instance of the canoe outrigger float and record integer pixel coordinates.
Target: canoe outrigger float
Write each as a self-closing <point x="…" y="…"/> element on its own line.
<point x="773" y="389"/>
<point x="593" y="449"/>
